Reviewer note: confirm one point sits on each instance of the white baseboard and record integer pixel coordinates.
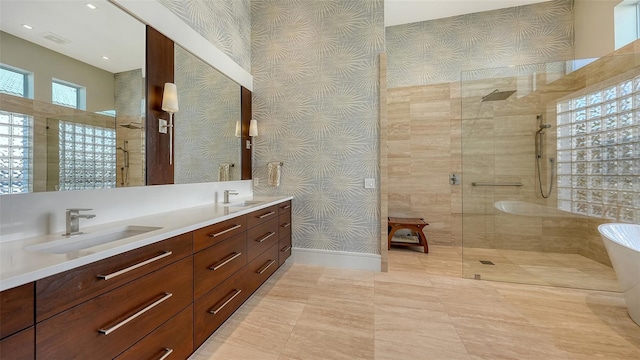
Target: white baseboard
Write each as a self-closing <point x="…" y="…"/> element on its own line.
<point x="336" y="259"/>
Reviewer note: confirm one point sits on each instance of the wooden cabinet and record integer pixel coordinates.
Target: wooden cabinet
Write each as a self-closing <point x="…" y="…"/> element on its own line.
<point x="16" y="309"/>
<point x="261" y="237"/>
<point x="174" y="340"/>
<point x="62" y="291"/>
<point x="20" y="346"/>
<point x="216" y="263"/>
<point x="105" y="326"/>
<point x="262" y="215"/>
<point x="213" y="234"/>
<point x="259" y="270"/>
<point x="284" y="231"/>
<point x="284" y="246"/>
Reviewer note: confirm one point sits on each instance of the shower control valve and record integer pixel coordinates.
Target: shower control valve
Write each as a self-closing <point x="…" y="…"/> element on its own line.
<point x="454" y="179"/>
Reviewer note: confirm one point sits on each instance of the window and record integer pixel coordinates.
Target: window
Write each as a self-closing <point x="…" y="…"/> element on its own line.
<point x="599" y="153"/>
<point x="87" y="156"/>
<point x="16" y="82"/>
<point x="67" y="94"/>
<point x="15" y="154"/>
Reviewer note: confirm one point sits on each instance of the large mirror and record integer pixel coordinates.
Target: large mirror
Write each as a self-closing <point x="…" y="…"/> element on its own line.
<point x="207" y="126"/>
<point x="72" y="102"/>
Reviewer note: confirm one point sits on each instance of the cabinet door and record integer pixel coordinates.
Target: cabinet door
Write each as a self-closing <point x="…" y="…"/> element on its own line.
<point x="284" y="207"/>
<point x="16" y="309"/>
<point x="284" y="222"/>
<point x="174" y="340"/>
<point x="260" y="216"/>
<point x="212" y="309"/>
<point x="62" y="291"/>
<point x="262" y="237"/>
<point x="285" y="249"/>
<point x="20" y="346"/>
<point x="216" y="263"/>
<point x="105" y="326"/>
<point x="259" y="270"/>
<point x="213" y="234"/>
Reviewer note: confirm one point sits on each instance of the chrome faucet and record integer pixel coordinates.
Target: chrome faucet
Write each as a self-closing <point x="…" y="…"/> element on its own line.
<point x="226" y="195"/>
<point x="73" y="221"/>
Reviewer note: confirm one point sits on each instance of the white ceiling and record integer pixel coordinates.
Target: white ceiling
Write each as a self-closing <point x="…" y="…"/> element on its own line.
<point x="397" y="12"/>
<point x="91" y="34"/>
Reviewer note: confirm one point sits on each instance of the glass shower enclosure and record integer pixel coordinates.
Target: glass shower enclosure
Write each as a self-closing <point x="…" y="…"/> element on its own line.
<point x="549" y="152"/>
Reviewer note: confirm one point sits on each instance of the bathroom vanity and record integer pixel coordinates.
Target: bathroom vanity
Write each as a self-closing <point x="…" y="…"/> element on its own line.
<point x="157" y="295"/>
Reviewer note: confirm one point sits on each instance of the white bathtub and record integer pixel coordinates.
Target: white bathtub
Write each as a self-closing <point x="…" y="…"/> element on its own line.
<point x="623" y="245"/>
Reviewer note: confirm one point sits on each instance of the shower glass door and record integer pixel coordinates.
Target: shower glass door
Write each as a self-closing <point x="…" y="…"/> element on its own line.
<point x="534" y="173"/>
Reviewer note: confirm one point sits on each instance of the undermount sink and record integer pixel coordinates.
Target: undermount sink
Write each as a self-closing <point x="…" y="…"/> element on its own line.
<point x="84" y="241"/>
<point x="246" y="203"/>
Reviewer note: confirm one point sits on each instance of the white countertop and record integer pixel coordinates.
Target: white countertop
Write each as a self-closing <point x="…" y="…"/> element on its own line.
<point x="19" y="266"/>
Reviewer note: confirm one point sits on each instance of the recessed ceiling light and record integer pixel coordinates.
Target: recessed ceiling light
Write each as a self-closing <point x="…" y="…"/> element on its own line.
<point x="27" y="26"/>
<point x="105" y="57"/>
<point x="91" y="6"/>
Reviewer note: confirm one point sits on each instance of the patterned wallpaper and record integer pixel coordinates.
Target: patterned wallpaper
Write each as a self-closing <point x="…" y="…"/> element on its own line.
<point x="435" y="51"/>
<point x="225" y="23"/>
<point x="315" y="68"/>
<point x="206" y="123"/>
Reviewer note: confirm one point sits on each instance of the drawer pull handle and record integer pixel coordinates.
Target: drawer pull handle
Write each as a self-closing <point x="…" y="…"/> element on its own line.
<point x="265" y="237"/>
<point x="266" y="267"/>
<point x="265" y="215"/>
<point x="133" y="267"/>
<point x="226" y="231"/>
<point x="286" y="207"/>
<point x="286" y="248"/>
<point x="134" y="316"/>
<point x="286" y="225"/>
<point x="225" y="261"/>
<point x="236" y="293"/>
<point x="166" y="353"/>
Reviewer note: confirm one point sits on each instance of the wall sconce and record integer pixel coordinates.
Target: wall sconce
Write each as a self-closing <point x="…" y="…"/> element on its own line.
<point x="170" y="105"/>
<point x="238" y="129"/>
<point x="253" y="131"/>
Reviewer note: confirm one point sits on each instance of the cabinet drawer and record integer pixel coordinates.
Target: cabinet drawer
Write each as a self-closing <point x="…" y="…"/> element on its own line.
<point x="62" y="291"/>
<point x="20" y="346"/>
<point x="16" y="309"/>
<point x="260" y="216"/>
<point x="284" y="220"/>
<point x="284" y="207"/>
<point x="284" y="249"/>
<point x="216" y="263"/>
<point x="110" y="323"/>
<point x="213" y="234"/>
<point x="212" y="309"/>
<point x="262" y="237"/>
<point x="174" y="340"/>
<point x="262" y="267"/>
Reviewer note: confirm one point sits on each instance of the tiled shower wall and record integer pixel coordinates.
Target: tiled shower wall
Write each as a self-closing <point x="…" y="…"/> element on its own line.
<point x="425" y="60"/>
<point x="129" y="97"/>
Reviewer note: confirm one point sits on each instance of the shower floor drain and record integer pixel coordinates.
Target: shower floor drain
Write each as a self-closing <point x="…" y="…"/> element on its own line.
<point x="486" y="262"/>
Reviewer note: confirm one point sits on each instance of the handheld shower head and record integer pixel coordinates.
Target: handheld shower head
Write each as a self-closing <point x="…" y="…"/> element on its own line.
<point x="545" y="126"/>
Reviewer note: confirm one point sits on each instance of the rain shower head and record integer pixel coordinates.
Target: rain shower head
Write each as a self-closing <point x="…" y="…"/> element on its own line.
<point x="132" y="125"/>
<point x="498" y="95"/>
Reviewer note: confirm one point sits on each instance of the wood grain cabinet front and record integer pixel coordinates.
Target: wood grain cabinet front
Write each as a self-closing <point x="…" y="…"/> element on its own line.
<point x="20" y="346"/>
<point x="213" y="234"/>
<point x="62" y="291"/>
<point x="16" y="309"/>
<point x="284" y="222"/>
<point x="212" y="309"/>
<point x="284" y="246"/>
<point x="216" y="263"/>
<point x="261" y="237"/>
<point x="259" y="270"/>
<point x="105" y="326"/>
<point x="172" y="340"/>
<point x="260" y="216"/>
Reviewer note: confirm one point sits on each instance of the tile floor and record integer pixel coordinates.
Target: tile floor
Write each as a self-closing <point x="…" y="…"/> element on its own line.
<point x="421" y="309"/>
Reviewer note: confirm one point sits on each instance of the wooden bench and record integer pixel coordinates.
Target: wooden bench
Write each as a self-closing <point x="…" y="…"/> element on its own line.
<point x="415" y="224"/>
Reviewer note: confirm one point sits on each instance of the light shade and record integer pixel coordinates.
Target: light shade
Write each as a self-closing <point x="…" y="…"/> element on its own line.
<point x="238" y="129"/>
<point x="253" y="128"/>
<point x="170" y="98"/>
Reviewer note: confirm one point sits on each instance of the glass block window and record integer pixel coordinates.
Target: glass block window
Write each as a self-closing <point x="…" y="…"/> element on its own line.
<point x="15" y="156"/>
<point x="14" y="82"/>
<point x="599" y="153"/>
<point x="87" y="156"/>
<point x="67" y="94"/>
